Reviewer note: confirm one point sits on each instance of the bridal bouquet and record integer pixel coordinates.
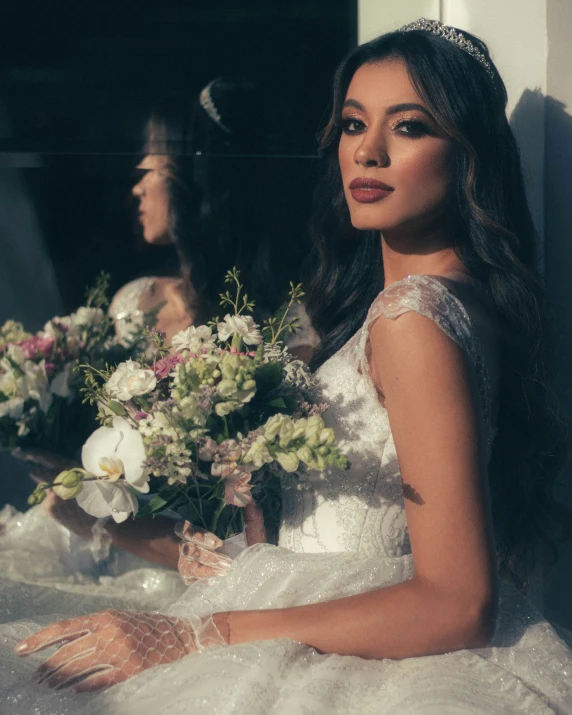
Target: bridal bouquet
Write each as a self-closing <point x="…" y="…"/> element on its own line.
<point x="40" y="400"/>
<point x="203" y="428"/>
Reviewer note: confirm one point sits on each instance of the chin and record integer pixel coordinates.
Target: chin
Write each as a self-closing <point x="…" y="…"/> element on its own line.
<point x="157" y="239"/>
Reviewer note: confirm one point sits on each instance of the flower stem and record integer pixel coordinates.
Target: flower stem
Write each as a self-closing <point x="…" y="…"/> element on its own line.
<point x="216" y="517"/>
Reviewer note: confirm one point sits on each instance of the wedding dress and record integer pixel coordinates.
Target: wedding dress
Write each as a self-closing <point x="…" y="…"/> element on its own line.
<point x="343" y="533"/>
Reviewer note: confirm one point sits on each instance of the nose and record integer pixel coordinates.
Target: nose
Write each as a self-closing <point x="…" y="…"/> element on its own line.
<point x="138" y="189"/>
<point x="371" y="152"/>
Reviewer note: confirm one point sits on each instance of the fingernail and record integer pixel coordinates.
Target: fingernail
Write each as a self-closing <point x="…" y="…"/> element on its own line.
<point x="21" y="647"/>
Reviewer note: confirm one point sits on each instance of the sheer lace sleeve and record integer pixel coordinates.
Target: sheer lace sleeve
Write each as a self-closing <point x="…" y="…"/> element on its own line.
<point x="125" y="307"/>
<point x="429" y="297"/>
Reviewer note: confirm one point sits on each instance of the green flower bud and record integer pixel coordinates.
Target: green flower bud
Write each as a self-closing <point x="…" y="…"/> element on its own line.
<point x="249" y="385"/>
<point x="323" y="450"/>
<point x="216" y="373"/>
<point x="63" y="491"/>
<point x="70" y="478"/>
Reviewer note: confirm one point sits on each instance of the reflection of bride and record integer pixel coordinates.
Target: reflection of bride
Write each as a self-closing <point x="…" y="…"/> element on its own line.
<point x="199" y="204"/>
<point x="382" y="596"/>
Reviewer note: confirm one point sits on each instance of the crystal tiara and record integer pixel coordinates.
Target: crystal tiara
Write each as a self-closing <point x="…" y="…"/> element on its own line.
<point x="452" y="35"/>
<point x="206" y="102"/>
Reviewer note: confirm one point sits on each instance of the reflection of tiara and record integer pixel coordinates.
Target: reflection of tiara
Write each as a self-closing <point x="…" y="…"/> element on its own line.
<point x="452" y="35"/>
<point x="206" y="101"/>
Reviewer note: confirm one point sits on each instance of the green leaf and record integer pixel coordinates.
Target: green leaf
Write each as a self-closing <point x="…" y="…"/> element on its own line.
<point x="156" y="504"/>
<point x="277" y="402"/>
<point x="268" y="376"/>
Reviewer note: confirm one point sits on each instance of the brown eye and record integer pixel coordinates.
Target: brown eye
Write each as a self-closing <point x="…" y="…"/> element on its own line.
<point x="412" y="128"/>
<point x="351" y="125"/>
<point x="138" y="174"/>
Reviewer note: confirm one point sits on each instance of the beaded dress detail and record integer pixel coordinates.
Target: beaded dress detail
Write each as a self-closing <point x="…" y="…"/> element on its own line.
<point x="343" y="533"/>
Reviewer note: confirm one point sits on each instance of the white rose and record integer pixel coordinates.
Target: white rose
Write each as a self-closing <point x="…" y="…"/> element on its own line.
<point x="242" y="325"/>
<point x="130" y="380"/>
<point x="194" y="339"/>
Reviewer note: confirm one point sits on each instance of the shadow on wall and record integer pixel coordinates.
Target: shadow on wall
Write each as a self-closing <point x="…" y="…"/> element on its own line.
<point x="557" y="229"/>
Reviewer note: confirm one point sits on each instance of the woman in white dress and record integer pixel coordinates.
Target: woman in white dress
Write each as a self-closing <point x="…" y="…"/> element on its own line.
<point x="195" y="191"/>
<point x="391" y="590"/>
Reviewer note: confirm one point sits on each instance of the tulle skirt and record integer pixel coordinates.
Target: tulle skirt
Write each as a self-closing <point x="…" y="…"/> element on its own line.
<point x="528" y="669"/>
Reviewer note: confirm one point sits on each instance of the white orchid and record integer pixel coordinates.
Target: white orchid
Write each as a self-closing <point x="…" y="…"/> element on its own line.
<point x="194" y="339"/>
<point x="130" y="380"/>
<point x="109" y="454"/>
<point x="242" y="325"/>
<point x="103" y="499"/>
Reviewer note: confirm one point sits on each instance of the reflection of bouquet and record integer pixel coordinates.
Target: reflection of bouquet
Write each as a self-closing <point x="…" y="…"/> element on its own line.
<point x="40" y="400"/>
<point x="205" y="429"/>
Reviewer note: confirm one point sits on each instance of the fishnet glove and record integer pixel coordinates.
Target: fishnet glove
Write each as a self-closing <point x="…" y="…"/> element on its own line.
<point x="197" y="553"/>
<point x="102" y="649"/>
<point x="201" y="552"/>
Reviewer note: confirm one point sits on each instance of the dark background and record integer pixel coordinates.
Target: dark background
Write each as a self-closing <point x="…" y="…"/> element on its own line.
<point x="77" y="81"/>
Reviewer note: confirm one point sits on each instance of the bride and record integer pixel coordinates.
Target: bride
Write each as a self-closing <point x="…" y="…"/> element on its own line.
<point x="391" y="590"/>
<point x="201" y="205"/>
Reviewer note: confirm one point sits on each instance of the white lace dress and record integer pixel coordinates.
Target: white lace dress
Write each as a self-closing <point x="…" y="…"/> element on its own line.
<point x="342" y="534"/>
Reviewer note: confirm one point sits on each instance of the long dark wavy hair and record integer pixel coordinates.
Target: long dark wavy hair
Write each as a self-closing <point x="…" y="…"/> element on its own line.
<point x="496" y="242"/>
<point x="230" y="197"/>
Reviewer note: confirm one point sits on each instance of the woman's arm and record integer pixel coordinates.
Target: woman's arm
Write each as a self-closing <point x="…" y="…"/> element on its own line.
<point x="450" y="602"/>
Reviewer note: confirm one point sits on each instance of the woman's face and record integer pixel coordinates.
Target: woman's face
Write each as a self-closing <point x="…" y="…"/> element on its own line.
<point x="395" y="163"/>
<point x="153" y="196"/>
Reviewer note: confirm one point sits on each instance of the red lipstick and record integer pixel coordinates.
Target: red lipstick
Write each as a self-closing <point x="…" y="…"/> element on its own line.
<point x="368" y="191"/>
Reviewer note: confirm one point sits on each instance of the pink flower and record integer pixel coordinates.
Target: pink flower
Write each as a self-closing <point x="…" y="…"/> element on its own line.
<point x="237" y="487"/>
<point x="37" y="344"/>
<point x="140" y="416"/>
<point x="164" y="366"/>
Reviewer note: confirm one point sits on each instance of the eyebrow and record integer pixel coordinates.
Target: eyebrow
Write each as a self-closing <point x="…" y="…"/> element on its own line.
<point x="390" y="110"/>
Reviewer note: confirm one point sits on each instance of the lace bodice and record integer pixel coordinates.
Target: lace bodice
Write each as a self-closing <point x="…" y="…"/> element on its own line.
<point x="126" y="310"/>
<point x="125" y="307"/>
<point x="362" y="510"/>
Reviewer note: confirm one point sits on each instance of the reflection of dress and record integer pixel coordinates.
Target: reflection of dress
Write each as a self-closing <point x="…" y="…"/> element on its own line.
<point x="126" y="309"/>
<point x="344" y="533"/>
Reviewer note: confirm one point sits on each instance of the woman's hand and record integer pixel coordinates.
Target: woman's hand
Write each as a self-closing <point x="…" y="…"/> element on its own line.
<point x="197" y="554"/>
<point x="108" y="647"/>
<point x="199" y="550"/>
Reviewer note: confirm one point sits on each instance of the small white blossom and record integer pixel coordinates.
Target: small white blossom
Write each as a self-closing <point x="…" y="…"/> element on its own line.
<point x="130" y="380"/>
<point x="242" y="325"/>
